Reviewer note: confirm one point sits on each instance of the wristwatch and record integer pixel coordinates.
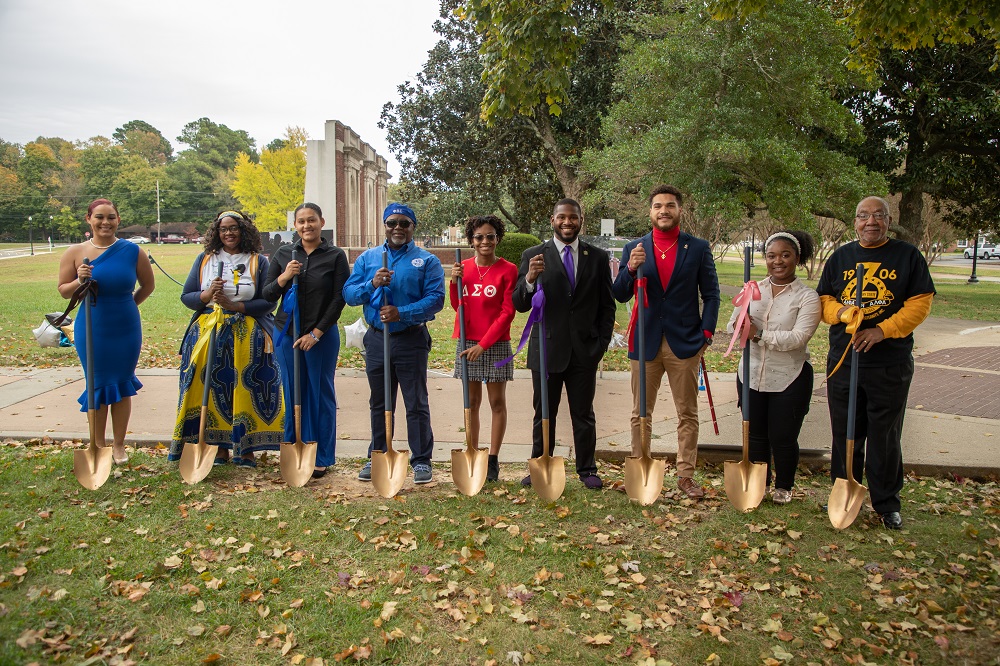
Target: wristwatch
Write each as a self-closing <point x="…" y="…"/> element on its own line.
<point x="756" y="337"/>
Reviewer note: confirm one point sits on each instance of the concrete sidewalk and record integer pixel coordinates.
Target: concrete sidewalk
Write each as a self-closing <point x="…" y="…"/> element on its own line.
<point x="952" y="423"/>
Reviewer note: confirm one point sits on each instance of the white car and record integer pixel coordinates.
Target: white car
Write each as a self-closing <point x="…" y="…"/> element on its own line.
<point x="984" y="251"/>
<point x="995" y="253"/>
<point x="138" y="240"/>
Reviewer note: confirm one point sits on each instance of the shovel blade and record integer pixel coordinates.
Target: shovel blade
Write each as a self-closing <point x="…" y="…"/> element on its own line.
<point x="845" y="502"/>
<point x="644" y="479"/>
<point x="548" y="476"/>
<point x="468" y="469"/>
<point x="196" y="461"/>
<point x="92" y="466"/>
<point x="389" y="471"/>
<point x="297" y="461"/>
<point x="745" y="484"/>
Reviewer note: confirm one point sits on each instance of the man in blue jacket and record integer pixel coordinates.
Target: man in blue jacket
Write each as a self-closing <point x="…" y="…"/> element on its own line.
<point x="677" y="267"/>
<point x="414" y="284"/>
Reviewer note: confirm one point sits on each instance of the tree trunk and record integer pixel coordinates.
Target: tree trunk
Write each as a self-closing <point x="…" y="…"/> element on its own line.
<point x="911" y="215"/>
<point x="572" y="184"/>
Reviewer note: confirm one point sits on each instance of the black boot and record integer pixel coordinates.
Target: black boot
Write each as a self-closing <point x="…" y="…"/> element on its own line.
<point x="493" y="469"/>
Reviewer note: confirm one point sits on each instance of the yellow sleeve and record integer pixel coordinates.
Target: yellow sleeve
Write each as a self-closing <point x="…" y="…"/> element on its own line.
<point x="831" y="306"/>
<point x="915" y="309"/>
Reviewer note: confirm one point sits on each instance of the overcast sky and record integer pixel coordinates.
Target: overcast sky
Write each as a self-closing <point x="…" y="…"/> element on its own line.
<point x="80" y="68"/>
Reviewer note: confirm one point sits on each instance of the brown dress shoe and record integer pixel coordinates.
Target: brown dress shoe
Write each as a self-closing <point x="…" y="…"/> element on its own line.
<point x="690" y="488"/>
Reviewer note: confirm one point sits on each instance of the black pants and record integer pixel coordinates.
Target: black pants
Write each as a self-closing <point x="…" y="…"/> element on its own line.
<point x="775" y="422"/>
<point x="878" y="431"/>
<point x="580" y="380"/>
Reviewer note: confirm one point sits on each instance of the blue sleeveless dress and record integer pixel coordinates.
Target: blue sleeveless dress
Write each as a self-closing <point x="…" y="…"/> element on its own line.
<point x="116" y="326"/>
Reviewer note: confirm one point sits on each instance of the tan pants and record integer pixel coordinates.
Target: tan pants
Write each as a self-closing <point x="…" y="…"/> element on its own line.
<point x="682" y="374"/>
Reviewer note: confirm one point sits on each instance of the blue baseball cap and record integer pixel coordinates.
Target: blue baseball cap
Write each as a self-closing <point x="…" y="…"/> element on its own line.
<point x="399" y="209"/>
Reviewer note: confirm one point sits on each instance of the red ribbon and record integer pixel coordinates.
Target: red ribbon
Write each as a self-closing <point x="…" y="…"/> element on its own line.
<point x="634" y="317"/>
<point x="742" y="300"/>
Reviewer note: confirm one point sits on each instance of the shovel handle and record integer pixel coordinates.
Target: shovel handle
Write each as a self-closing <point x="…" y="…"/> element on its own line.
<point x="209" y="363"/>
<point x="461" y="337"/>
<point x="640" y="304"/>
<point x="89" y="347"/>
<point x="387" y="370"/>
<point x="852" y="396"/>
<point x="747" y="257"/>
<point x="708" y="394"/>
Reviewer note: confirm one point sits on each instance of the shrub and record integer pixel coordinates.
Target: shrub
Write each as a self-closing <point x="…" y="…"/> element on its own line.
<point x="514" y="244"/>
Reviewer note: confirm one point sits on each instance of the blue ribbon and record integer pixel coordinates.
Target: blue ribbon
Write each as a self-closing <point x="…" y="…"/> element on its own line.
<point x="289" y="305"/>
<point x="534" y="317"/>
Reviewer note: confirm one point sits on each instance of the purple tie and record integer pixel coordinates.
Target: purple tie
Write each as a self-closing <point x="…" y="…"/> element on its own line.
<point x="568" y="263"/>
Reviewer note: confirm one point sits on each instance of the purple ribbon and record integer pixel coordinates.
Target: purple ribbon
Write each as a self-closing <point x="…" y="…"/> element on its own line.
<point x="534" y="317"/>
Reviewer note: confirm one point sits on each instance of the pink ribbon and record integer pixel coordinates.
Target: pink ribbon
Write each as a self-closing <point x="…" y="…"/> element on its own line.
<point x="742" y="300"/>
<point x="634" y="317"/>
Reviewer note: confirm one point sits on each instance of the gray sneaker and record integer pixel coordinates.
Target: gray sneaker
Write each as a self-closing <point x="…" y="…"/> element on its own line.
<point x="422" y="473"/>
<point x="366" y="472"/>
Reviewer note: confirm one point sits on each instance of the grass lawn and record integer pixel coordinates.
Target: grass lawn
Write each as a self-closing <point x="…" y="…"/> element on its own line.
<point x="28" y="291"/>
<point x="242" y="570"/>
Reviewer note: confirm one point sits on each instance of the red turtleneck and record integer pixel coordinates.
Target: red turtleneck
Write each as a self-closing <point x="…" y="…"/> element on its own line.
<point x="665" y="249"/>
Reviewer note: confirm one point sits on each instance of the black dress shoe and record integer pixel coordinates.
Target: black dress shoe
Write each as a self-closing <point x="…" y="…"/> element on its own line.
<point x="526" y="481"/>
<point x="319" y="473"/>
<point x="892" y="520"/>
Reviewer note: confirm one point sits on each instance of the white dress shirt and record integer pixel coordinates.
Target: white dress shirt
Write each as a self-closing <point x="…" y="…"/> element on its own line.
<point x="786" y="321"/>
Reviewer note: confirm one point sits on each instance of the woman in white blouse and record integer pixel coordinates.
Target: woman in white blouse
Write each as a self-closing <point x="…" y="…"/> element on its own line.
<point x="781" y="378"/>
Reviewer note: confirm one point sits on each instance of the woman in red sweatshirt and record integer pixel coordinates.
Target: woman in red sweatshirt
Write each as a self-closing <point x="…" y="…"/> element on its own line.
<point x="487" y="285"/>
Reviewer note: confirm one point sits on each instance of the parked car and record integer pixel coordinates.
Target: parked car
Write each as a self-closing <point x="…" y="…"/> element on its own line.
<point x="984" y="251"/>
<point x="174" y="239"/>
<point x="138" y="240"/>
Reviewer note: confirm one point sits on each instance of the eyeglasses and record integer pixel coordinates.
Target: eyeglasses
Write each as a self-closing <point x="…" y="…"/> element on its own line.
<point x="402" y="224"/>
<point x="878" y="216"/>
<point x="479" y="238"/>
<point x="229" y="230"/>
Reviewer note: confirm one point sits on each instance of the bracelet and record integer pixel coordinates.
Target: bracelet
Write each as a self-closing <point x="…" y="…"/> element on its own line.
<point x="756" y="338"/>
<point x="313" y="336"/>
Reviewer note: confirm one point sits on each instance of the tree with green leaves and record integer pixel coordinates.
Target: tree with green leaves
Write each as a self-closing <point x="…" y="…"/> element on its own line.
<point x="737" y="113"/>
<point x="138" y="137"/>
<point x="931" y="127"/>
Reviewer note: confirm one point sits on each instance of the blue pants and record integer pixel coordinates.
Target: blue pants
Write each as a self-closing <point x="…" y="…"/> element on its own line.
<point x="317" y="368"/>
<point x="408" y="360"/>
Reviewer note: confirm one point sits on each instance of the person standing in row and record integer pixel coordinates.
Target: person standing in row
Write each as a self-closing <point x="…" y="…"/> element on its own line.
<point x="488" y="285"/>
<point x="677" y="267"/>
<point x="116" y="265"/>
<point x="897" y="295"/>
<point x="781" y="379"/>
<point x="579" y="319"/>
<point x="403" y="298"/>
<point x="247" y="410"/>
<point x="322" y="271"/>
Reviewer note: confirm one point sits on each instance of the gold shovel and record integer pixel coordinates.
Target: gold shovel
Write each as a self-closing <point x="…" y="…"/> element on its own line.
<point x="92" y="465"/>
<point x="548" y="473"/>
<point x="388" y="467"/>
<point x="745" y="482"/>
<point x="468" y="465"/>
<point x="848" y="495"/>
<point x="197" y="459"/>
<point x="643" y="475"/>
<point x="297" y="459"/>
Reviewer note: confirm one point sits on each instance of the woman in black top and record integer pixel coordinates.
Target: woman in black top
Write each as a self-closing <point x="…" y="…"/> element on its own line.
<point x="322" y="270"/>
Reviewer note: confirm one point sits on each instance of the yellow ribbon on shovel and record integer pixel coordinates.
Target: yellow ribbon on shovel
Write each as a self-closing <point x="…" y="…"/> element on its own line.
<point x="853" y="317"/>
<point x="212" y="320"/>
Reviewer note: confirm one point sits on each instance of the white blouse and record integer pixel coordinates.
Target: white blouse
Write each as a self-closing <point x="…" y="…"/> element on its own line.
<point x="786" y="321"/>
<point x="237" y="287"/>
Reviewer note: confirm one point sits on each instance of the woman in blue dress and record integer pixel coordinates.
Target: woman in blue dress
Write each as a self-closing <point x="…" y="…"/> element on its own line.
<point x="245" y="413"/>
<point x="115" y="265"/>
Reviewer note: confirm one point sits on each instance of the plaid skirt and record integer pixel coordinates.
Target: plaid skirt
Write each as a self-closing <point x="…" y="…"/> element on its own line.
<point x="482" y="369"/>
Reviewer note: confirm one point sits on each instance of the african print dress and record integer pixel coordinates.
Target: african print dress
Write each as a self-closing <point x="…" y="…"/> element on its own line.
<point x="245" y="408"/>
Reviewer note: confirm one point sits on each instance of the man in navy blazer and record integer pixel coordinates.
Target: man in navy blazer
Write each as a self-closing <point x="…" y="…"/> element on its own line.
<point x="677" y="267"/>
<point x="579" y="319"/>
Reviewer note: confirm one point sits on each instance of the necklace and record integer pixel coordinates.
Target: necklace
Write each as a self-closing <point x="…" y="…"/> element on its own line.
<point x="663" y="253"/>
<point x="102" y="247"/>
<point x="779" y="284"/>
<point x="482" y="273"/>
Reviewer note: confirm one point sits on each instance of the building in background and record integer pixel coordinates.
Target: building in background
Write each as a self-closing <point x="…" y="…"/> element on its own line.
<point x="347" y="179"/>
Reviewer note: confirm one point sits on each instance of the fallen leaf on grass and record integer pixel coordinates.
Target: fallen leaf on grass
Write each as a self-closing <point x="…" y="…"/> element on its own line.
<point x="212" y="658"/>
<point x="196" y="630"/>
<point x="388" y="610"/>
<point x="599" y="639"/>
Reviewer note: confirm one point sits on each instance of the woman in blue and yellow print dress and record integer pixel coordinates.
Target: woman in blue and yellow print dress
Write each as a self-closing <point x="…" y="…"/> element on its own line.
<point x="115" y="265"/>
<point x="245" y="409"/>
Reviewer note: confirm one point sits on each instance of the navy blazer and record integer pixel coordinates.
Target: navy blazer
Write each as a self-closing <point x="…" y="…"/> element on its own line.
<point x="674" y="314"/>
<point x="577" y="322"/>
